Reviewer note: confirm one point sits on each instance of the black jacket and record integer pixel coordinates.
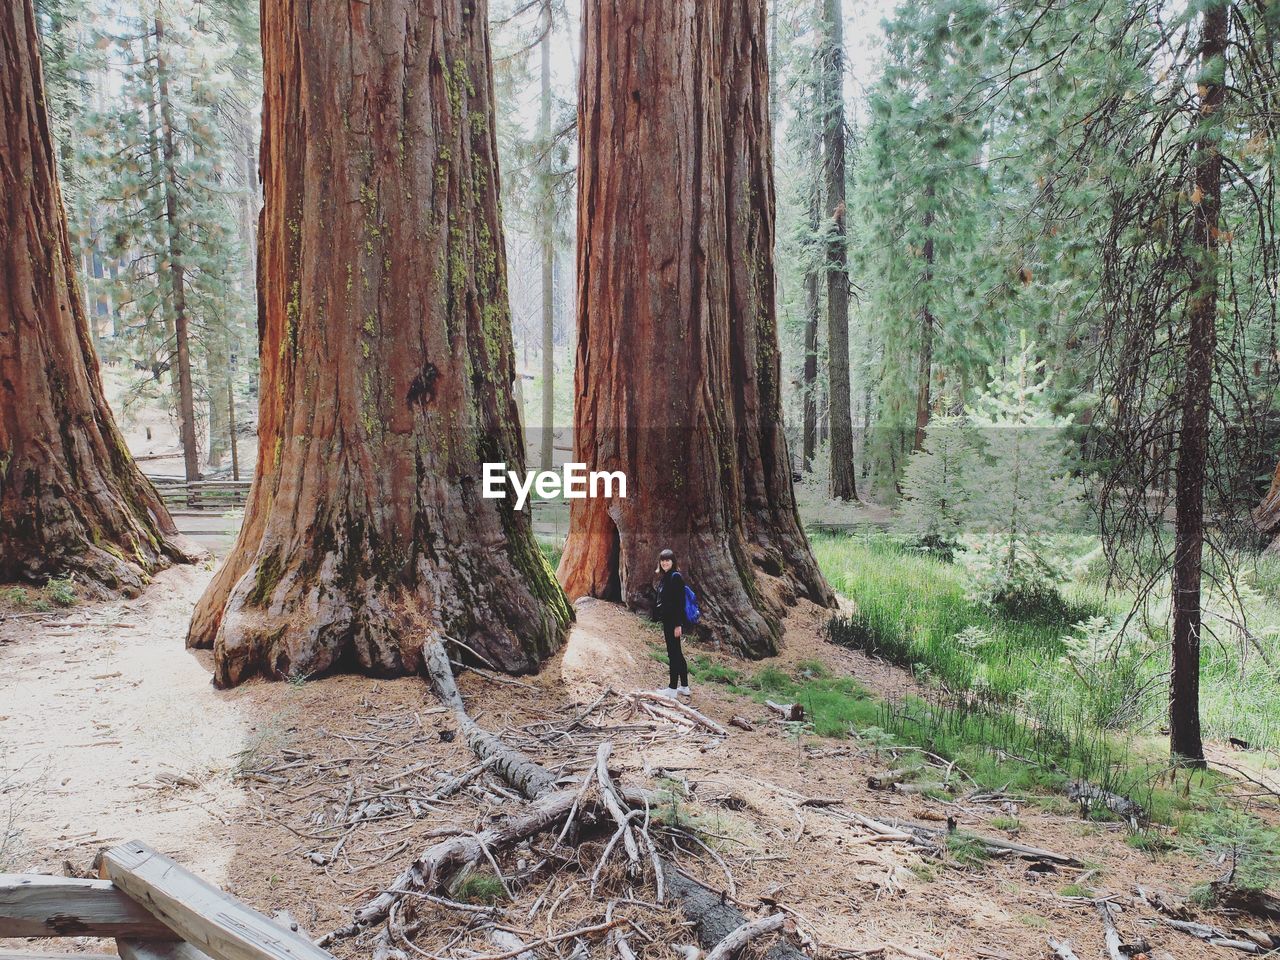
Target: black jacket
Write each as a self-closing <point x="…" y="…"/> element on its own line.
<point x="671" y="599"/>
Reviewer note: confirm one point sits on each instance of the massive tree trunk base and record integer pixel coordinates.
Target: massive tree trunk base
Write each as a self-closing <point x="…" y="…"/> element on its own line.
<point x="744" y="593"/>
<point x="316" y="619"/>
<point x="107" y="544"/>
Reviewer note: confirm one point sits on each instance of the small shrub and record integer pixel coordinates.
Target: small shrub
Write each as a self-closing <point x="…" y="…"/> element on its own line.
<point x="61" y="591"/>
<point x="1248" y="847"/>
<point x="1007" y="824"/>
<point x="966" y="850"/>
<point x="16" y="596"/>
<point x="481" y="887"/>
<point x="1077" y="890"/>
<point x="1012" y="577"/>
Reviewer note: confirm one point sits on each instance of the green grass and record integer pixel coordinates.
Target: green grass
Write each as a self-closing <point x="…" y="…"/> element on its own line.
<point x="551" y="549"/>
<point x="966" y="850"/>
<point x="911" y="607"/>
<point x="833" y="706"/>
<point x="1077" y="890"/>
<point x="912" y="610"/>
<point x="481" y="887"/>
<point x="1006" y="708"/>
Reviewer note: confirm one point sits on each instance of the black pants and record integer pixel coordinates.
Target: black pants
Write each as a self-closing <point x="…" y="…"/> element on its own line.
<point x="677" y="664"/>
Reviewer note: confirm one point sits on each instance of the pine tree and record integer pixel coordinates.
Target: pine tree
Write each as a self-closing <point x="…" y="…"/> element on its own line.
<point x="165" y="154"/>
<point x="1021" y="493"/>
<point x="937" y="485"/>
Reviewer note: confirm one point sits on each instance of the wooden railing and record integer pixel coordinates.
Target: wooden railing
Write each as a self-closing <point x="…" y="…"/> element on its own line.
<point x="151" y="907"/>
<point x="216" y="495"/>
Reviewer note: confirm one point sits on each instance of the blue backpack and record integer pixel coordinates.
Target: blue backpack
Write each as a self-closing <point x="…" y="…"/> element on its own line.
<point x="692" y="612"/>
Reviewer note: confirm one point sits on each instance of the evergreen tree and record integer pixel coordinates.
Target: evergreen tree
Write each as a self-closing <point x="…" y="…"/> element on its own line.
<point x="1021" y="493"/>
<point x="166" y="154"/>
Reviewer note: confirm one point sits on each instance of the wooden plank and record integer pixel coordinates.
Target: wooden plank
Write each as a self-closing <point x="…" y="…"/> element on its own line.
<point x="32" y="905"/>
<point x="158" y="950"/>
<point x="199" y="912"/>
<point x="37" y="955"/>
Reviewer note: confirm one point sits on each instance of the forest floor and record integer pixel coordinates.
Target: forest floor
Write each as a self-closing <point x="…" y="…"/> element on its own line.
<point x="291" y="795"/>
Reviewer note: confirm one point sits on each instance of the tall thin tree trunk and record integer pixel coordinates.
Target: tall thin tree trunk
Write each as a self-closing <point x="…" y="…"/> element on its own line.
<point x="773" y="74"/>
<point x="177" y="271"/>
<point x="843" y="481"/>
<point x="812" y="298"/>
<point x="161" y="354"/>
<point x="217" y="367"/>
<point x="387" y="364"/>
<point x="677" y="375"/>
<point x="72" y="501"/>
<point x="1185" y="740"/>
<point x="812" y="316"/>
<point x="548" y="241"/>
<point x="924" y="371"/>
<point x="233" y="441"/>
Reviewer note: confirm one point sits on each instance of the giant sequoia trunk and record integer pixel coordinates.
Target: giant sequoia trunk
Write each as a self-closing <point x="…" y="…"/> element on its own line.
<point x="677" y="373"/>
<point x="1193" y="438"/>
<point x="71" y="498"/>
<point x="386" y="360"/>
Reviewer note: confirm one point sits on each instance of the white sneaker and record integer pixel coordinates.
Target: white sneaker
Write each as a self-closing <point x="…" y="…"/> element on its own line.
<point x="666" y="692"/>
<point x="684" y="691"/>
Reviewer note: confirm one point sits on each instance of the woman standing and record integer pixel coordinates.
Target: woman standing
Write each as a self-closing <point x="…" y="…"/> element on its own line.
<point x="671" y="611"/>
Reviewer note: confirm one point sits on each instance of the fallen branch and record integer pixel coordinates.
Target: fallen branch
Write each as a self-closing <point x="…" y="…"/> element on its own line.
<point x="714" y="917"/>
<point x="438" y="864"/>
<point x="673" y="704"/>
<point x="994" y="843"/>
<point x="741" y="936"/>
<point x="613" y="803"/>
<point x="1062" y="949"/>
<point x="1210" y="934"/>
<point x="1116" y="948"/>
<point x="788" y="711"/>
<point x="524" y="948"/>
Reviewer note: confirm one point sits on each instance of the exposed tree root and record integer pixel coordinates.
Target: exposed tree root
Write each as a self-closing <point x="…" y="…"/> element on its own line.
<point x="712" y="914"/>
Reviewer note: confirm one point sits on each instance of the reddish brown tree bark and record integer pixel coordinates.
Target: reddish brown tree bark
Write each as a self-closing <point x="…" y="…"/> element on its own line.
<point x="844" y="484"/>
<point x="1185" y="741"/>
<point x="1266" y="516"/>
<point x="71" y="498"/>
<point x="677" y="373"/>
<point x="386" y="360"/>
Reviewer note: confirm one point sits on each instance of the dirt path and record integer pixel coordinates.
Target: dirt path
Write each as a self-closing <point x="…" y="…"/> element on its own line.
<point x="290" y="795"/>
<point x="110" y="730"/>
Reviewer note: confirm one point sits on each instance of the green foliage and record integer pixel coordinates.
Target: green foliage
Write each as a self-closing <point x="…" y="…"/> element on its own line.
<point x="60" y="591"/>
<point x="965" y="850"/>
<point x="936" y="487"/>
<point x="481" y="887"/>
<point x="1247" y="846"/>
<point x="138" y="211"/>
<point x="16" y="596"/>
<point x="1022" y="494"/>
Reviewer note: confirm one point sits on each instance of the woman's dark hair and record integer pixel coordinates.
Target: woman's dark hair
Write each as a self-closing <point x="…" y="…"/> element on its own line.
<point x="669" y="555"/>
